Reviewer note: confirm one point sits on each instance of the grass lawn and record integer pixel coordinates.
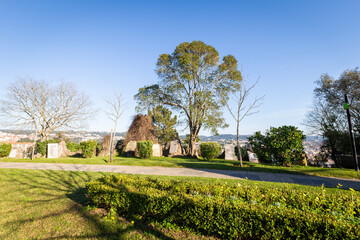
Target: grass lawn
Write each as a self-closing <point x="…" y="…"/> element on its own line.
<point x="36" y="204"/>
<point x="199" y="163"/>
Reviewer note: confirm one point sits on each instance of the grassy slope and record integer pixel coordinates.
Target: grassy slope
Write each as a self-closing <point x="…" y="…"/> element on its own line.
<point x="52" y="205"/>
<point x="197" y="163"/>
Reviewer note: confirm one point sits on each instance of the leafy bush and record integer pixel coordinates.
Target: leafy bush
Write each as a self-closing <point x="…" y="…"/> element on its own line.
<point x="5" y="149"/>
<point x="41" y="147"/>
<point x="145" y="148"/>
<point x="210" y="150"/>
<point x="88" y="148"/>
<point x="230" y="211"/>
<point x="73" y="147"/>
<point x="283" y="145"/>
<point x="243" y="153"/>
<point x="119" y="147"/>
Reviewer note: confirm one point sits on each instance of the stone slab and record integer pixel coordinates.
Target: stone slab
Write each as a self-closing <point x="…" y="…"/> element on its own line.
<point x="252" y="157"/>
<point x="53" y="150"/>
<point x="157" y="150"/>
<point x="230" y="152"/>
<point x="131" y="146"/>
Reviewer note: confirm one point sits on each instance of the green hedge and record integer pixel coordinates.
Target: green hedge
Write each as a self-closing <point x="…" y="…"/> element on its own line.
<point x="41" y="147"/>
<point x="5" y="149"/>
<point x="88" y="148"/>
<point x="145" y="149"/>
<point x="73" y="147"/>
<point x="231" y="211"/>
<point x="210" y="150"/>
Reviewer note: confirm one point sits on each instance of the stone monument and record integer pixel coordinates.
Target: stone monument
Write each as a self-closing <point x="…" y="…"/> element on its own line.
<point x="252" y="157"/>
<point x="53" y="150"/>
<point x="175" y="148"/>
<point x="130" y="149"/>
<point x="230" y="152"/>
<point x="156" y="150"/>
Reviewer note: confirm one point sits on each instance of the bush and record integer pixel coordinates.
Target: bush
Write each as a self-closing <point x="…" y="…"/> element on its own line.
<point x="5" y="149"/>
<point x="210" y="150"/>
<point x="119" y="147"/>
<point x="226" y="211"/>
<point x="283" y="145"/>
<point x="88" y="148"/>
<point x="41" y="147"/>
<point x="145" y="148"/>
<point x="73" y="147"/>
<point x="244" y="154"/>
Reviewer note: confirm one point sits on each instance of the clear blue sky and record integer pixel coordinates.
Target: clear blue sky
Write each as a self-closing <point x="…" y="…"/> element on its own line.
<point x="107" y="46"/>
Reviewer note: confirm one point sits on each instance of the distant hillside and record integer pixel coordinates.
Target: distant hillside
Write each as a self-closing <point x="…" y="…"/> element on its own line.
<point x="227" y="137"/>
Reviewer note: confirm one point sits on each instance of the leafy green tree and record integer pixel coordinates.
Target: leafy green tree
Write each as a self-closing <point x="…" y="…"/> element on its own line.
<point x="196" y="84"/>
<point x="328" y="118"/>
<point x="163" y="124"/>
<point x="283" y="145"/>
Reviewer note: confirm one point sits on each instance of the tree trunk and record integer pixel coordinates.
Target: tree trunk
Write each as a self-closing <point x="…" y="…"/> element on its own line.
<point x="238" y="144"/>
<point x="192" y="146"/>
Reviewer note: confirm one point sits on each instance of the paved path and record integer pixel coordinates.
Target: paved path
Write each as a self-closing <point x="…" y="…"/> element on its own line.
<point x="212" y="173"/>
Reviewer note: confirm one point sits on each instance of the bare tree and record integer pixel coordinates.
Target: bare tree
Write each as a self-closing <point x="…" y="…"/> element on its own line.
<point x="115" y="110"/>
<point x="44" y="107"/>
<point x="242" y="109"/>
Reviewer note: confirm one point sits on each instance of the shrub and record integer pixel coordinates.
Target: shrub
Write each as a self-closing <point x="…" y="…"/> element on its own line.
<point x="41" y="147"/>
<point x="244" y="154"/>
<point x="119" y="147"/>
<point x="283" y="145"/>
<point x="210" y="150"/>
<point x="5" y="149"/>
<point x="88" y="148"/>
<point x="73" y="147"/>
<point x="231" y="211"/>
<point x="145" y="148"/>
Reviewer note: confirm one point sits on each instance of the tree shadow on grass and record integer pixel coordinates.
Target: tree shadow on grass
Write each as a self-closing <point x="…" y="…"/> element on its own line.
<point x="59" y="185"/>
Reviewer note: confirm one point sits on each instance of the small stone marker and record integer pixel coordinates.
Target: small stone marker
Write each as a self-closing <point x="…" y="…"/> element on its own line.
<point x="53" y="150"/>
<point x="230" y="152"/>
<point x="173" y="147"/>
<point x="156" y="150"/>
<point x="252" y="157"/>
<point x="131" y="146"/>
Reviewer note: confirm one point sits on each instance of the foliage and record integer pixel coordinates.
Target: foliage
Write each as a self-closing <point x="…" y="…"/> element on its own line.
<point x="73" y="147"/>
<point x="328" y="118"/>
<point x="231" y="211"/>
<point x="186" y="140"/>
<point x="145" y="148"/>
<point x="243" y="153"/>
<point x="163" y="124"/>
<point x="119" y="147"/>
<point x="41" y="147"/>
<point x="283" y="145"/>
<point x="194" y="83"/>
<point x="210" y="150"/>
<point x="5" y="149"/>
<point x="88" y="148"/>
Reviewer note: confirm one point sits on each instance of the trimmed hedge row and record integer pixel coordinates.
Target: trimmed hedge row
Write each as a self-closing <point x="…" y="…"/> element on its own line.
<point x="145" y="148"/>
<point x="210" y="150"/>
<point x="231" y="211"/>
<point x="73" y="147"/>
<point x="5" y="149"/>
<point x="88" y="148"/>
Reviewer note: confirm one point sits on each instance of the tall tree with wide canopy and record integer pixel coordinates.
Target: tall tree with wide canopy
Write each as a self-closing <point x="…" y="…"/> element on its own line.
<point x="196" y="83"/>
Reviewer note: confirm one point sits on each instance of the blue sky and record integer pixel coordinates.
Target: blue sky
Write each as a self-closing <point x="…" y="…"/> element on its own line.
<point x="107" y="46"/>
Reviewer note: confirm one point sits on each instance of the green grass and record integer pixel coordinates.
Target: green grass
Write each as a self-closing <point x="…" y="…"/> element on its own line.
<point x="45" y="204"/>
<point x="199" y="163"/>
